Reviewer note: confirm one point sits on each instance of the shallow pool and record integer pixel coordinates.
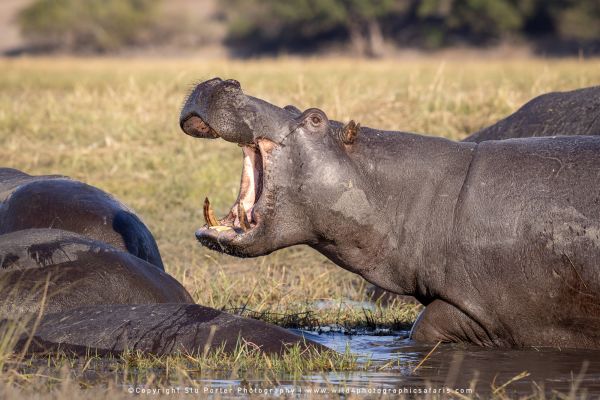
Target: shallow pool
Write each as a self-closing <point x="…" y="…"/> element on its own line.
<point x="459" y="366"/>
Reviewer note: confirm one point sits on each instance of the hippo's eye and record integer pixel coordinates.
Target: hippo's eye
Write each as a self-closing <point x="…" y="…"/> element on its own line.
<point x="314" y="119"/>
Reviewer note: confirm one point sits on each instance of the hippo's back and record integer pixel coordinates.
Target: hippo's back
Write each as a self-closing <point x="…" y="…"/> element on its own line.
<point x="576" y="112"/>
<point x="11" y="179"/>
<point x="533" y="206"/>
<point x="30" y="202"/>
<point x="67" y="270"/>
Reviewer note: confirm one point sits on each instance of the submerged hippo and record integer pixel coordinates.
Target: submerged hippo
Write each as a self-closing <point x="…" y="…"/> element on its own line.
<point x="576" y="112"/>
<point x="97" y="298"/>
<point x="65" y="244"/>
<point x="158" y="329"/>
<point x="58" y="202"/>
<point x="80" y="271"/>
<point x="500" y="240"/>
<point x="87" y="271"/>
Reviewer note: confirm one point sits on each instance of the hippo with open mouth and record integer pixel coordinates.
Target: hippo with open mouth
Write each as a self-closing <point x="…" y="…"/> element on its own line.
<point x="500" y="240"/>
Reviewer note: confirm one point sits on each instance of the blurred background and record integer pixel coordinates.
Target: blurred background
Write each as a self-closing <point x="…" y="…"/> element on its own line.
<point x="255" y="28"/>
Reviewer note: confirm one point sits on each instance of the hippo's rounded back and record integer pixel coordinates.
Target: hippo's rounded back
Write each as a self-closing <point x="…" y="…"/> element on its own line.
<point x="573" y="113"/>
<point x="57" y="202"/>
<point x="65" y="270"/>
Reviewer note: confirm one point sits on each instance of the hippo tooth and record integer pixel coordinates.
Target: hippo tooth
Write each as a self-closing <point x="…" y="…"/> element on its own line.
<point x="209" y="215"/>
<point x="243" y="218"/>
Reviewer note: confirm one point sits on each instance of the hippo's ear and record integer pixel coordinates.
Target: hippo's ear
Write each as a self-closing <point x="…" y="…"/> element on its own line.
<point x="314" y="119"/>
<point x="295" y="111"/>
<point x="349" y="132"/>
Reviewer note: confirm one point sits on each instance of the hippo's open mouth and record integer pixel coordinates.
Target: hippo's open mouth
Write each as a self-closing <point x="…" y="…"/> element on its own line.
<point x="245" y="214"/>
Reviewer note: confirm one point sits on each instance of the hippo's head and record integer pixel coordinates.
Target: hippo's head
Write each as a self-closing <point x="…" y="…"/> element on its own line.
<point x="295" y="164"/>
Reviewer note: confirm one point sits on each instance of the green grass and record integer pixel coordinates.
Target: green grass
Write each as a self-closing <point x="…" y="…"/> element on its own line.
<point x="114" y="124"/>
<point x="243" y="360"/>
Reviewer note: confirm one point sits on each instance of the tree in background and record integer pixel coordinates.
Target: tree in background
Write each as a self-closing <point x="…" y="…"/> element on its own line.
<point x="578" y="20"/>
<point x="292" y="24"/>
<point x="498" y="19"/>
<point x="92" y="25"/>
<point x="306" y="26"/>
<point x="481" y="20"/>
<point x="283" y="24"/>
<point x="363" y="26"/>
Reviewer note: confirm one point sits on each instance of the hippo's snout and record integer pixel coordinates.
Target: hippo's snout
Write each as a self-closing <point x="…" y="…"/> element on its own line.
<point x="218" y="108"/>
<point x="192" y="118"/>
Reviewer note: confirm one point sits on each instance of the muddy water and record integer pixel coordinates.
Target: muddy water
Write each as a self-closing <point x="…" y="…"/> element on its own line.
<point x="458" y="366"/>
<point x="390" y="361"/>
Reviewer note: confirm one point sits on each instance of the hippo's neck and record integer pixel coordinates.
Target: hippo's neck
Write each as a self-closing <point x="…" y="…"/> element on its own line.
<point x="403" y="201"/>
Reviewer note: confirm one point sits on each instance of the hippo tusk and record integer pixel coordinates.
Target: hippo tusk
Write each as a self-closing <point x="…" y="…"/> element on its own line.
<point x="209" y="215"/>
<point x="243" y="218"/>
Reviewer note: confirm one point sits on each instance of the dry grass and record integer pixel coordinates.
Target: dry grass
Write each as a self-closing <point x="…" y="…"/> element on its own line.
<point x="114" y="124"/>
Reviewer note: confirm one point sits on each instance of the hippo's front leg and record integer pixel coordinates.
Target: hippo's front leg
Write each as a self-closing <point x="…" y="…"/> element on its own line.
<point x="441" y="321"/>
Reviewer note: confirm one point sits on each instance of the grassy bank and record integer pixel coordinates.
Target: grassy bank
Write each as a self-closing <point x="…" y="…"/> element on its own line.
<point x="114" y="124"/>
